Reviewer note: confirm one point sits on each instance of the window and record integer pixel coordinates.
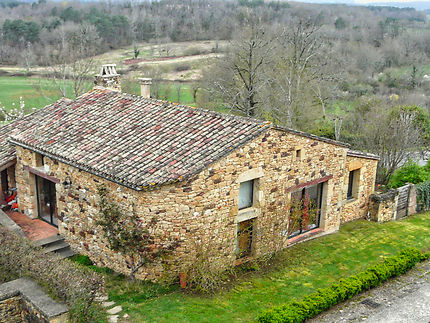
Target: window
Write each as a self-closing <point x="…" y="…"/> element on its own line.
<point x="353" y="182"/>
<point x="246" y="194"/>
<point x="244" y="238"/>
<point x="305" y="211"/>
<point x="40" y="160"/>
<point x="298" y="154"/>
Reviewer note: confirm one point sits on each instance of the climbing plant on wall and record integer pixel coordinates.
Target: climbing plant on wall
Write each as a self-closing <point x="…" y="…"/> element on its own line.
<point x="423" y="190"/>
<point x="136" y="238"/>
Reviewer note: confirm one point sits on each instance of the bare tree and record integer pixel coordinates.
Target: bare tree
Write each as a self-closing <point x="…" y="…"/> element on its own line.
<point x="394" y="135"/>
<point x="71" y="64"/>
<point x="298" y="80"/>
<point x="238" y="77"/>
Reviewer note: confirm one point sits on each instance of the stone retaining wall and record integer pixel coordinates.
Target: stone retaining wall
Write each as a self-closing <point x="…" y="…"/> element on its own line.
<point x="22" y="300"/>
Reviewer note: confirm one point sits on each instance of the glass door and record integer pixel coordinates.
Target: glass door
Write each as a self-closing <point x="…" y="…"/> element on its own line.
<point x="47" y="200"/>
<point x="305" y="210"/>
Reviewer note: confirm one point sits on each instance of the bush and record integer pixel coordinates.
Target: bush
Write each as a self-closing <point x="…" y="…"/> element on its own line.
<point x="193" y="50"/>
<point x="323" y="299"/>
<point x="409" y="173"/>
<point x="61" y="279"/>
<point x="182" y="67"/>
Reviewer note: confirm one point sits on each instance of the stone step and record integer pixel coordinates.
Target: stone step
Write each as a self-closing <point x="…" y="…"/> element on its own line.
<point x="66" y="253"/>
<point x="47" y="241"/>
<point x="57" y="246"/>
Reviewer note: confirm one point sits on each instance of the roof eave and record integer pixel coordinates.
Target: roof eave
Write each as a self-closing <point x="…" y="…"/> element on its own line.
<point x="311" y="136"/>
<point x="67" y="162"/>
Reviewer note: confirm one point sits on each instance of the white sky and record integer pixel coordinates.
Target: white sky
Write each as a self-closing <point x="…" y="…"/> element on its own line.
<point x="403" y="1"/>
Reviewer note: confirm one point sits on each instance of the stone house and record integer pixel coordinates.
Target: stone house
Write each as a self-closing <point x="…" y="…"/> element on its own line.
<point x="219" y="182"/>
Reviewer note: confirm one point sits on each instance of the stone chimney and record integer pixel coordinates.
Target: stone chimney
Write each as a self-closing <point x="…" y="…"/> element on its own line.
<point x="108" y="78"/>
<point x="145" y="87"/>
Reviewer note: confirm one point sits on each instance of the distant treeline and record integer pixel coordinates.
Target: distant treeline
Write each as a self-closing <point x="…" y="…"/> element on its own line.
<point x="40" y="25"/>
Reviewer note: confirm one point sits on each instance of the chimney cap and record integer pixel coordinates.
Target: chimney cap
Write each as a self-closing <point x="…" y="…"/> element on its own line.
<point x="108" y="70"/>
<point x="145" y="80"/>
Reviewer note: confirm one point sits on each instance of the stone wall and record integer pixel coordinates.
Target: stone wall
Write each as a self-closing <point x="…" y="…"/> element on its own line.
<point x="11" y="310"/>
<point x="22" y="300"/>
<point x="383" y="207"/>
<point x="202" y="211"/>
<point x="358" y="206"/>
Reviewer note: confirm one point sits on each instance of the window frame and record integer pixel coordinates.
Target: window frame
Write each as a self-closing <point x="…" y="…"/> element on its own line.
<point x="321" y="187"/>
<point x="352" y="189"/>
<point x="252" y="198"/>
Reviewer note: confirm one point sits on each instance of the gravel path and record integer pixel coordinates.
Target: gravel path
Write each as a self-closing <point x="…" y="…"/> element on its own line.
<point x="403" y="299"/>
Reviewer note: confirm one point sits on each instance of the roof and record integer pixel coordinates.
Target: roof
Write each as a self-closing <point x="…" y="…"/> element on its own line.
<point x="7" y="152"/>
<point x="131" y="140"/>
<point x="361" y="154"/>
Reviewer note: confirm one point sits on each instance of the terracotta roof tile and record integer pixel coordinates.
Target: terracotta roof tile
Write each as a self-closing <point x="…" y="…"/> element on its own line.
<point x="132" y="140"/>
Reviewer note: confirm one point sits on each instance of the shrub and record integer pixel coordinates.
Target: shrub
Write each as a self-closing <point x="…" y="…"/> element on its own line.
<point x="193" y="50"/>
<point x="60" y="278"/>
<point x="323" y="299"/>
<point x="409" y="173"/>
<point x="182" y="67"/>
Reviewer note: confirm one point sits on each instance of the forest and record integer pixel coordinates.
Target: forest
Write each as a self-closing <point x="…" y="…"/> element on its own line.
<point x="352" y="73"/>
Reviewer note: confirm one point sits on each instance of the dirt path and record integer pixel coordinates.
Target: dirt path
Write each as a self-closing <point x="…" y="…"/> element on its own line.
<point x="403" y="299"/>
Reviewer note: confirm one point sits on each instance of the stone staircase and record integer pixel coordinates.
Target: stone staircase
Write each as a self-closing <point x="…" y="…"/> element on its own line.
<point x="57" y="245"/>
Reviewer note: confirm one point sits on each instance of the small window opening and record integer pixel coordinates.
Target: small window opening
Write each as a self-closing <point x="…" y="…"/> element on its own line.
<point x="353" y="179"/>
<point x="40" y="160"/>
<point x="244" y="238"/>
<point x="298" y="154"/>
<point x="246" y="194"/>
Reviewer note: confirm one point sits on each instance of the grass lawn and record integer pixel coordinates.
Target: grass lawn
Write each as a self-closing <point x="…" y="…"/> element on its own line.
<point x="14" y="87"/>
<point x="303" y="268"/>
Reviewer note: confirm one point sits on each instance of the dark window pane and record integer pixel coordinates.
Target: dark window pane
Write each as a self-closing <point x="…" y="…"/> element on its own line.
<point x="350" y="185"/>
<point x="244" y="238"/>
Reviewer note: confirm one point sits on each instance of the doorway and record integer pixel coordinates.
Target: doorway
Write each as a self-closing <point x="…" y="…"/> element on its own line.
<point x="47" y="201"/>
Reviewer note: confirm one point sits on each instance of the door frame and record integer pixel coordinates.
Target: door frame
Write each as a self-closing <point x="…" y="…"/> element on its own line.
<point x="51" y="207"/>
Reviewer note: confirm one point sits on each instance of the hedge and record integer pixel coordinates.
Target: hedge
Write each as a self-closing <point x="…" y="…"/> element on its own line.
<point x="323" y="299"/>
<point x="61" y="278"/>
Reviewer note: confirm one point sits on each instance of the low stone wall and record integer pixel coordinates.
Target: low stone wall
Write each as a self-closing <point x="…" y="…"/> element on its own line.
<point x="383" y="207"/>
<point x="9" y="224"/>
<point x="22" y="300"/>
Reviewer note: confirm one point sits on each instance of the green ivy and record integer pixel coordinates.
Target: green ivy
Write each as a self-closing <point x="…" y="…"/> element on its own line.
<point x="323" y="299"/>
<point x="423" y="192"/>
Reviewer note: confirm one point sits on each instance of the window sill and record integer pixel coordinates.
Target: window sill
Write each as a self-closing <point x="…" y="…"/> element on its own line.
<point x="305" y="236"/>
<point x="246" y="214"/>
<point x="351" y="200"/>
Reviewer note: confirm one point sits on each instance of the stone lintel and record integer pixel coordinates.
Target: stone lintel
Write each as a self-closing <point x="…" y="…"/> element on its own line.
<point x="40" y="173"/>
<point x="251" y="174"/>
<point x="313" y="182"/>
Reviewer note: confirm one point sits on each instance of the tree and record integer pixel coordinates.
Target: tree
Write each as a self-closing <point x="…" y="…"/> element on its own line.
<point x="136" y="238"/>
<point x="71" y="64"/>
<point x="395" y="135"/>
<point x="239" y="76"/>
<point x="301" y="75"/>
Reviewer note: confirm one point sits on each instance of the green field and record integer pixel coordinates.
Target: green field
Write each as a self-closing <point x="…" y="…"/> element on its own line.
<point x="302" y="269"/>
<point x="14" y="87"/>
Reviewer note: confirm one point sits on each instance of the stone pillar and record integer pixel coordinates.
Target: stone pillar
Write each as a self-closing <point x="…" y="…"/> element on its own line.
<point x="383" y="207"/>
<point x="145" y="87"/>
<point x="412" y="201"/>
